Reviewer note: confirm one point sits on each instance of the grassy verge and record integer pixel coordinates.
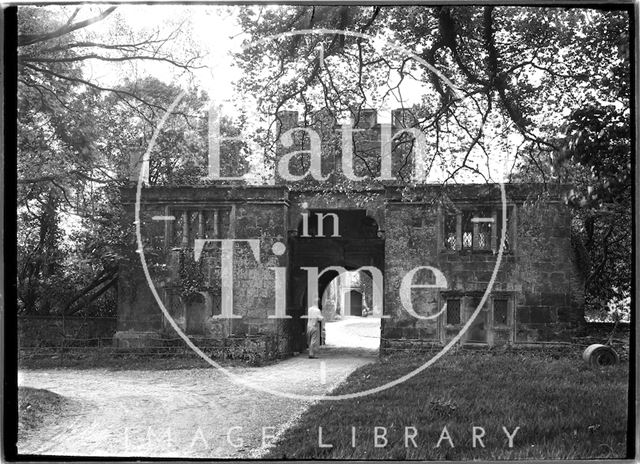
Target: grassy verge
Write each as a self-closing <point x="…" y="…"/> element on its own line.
<point x="37" y="407"/>
<point x="565" y="410"/>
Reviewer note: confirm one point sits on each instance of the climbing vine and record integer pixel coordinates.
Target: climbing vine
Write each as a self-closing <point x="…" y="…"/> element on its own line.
<point x="191" y="274"/>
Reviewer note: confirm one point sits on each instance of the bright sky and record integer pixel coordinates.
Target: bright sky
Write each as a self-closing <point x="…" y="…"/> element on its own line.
<point x="212" y="28"/>
<point x="215" y="31"/>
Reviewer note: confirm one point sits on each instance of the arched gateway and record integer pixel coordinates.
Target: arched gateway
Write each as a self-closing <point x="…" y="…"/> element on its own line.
<point x="279" y="234"/>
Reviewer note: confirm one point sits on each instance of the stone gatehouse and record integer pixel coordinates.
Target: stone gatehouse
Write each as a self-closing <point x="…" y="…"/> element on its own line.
<point x="418" y="235"/>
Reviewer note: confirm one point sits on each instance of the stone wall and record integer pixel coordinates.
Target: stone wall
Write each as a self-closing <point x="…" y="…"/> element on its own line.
<point x="254" y="284"/>
<point x="137" y="307"/>
<point x="552" y="295"/>
<point x="191" y="289"/>
<point x="537" y="294"/>
<point x="56" y="331"/>
<point x="408" y="245"/>
<point x="536" y="285"/>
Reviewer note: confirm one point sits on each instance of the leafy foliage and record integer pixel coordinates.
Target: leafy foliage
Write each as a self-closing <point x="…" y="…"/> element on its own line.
<point x="75" y="139"/>
<point x="549" y="85"/>
<point x="516" y="69"/>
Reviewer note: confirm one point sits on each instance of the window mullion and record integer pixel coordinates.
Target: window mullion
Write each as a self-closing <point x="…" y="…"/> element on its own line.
<point x="474" y="237"/>
<point x="494" y="231"/>
<point x="200" y="224"/>
<point x="185" y="229"/>
<point x="168" y="229"/>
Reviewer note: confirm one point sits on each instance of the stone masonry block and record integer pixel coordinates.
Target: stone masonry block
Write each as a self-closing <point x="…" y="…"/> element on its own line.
<point x="540" y="315"/>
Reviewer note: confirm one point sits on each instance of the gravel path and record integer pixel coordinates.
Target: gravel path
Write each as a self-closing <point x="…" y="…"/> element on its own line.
<point x="181" y="413"/>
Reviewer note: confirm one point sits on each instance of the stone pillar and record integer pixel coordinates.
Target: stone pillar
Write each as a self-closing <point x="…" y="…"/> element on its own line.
<point x="286" y="120"/>
<point x="216" y="232"/>
<point x="402" y="118"/>
<point x="365" y="119"/>
<point x="232" y="222"/>
<point x="136" y="165"/>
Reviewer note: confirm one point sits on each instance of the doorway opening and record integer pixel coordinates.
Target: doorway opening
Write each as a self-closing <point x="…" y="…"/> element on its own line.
<point x="348" y="241"/>
<point x="351" y="314"/>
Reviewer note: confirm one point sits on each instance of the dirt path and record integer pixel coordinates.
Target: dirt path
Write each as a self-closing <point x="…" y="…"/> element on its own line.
<point x="181" y="413"/>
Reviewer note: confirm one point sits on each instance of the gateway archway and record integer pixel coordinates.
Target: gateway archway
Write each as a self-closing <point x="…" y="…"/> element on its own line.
<point x="330" y="241"/>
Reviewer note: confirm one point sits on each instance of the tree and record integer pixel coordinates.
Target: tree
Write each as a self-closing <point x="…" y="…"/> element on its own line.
<point x="180" y="154"/>
<point x="53" y="44"/>
<point x="549" y="84"/>
<point x="598" y="157"/>
<point x="594" y="156"/>
<point x="53" y="91"/>
<point x="74" y="146"/>
<point x="516" y="69"/>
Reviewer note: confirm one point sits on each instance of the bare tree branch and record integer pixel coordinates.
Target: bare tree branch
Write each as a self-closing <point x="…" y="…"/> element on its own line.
<point x="70" y="59"/>
<point x="30" y="39"/>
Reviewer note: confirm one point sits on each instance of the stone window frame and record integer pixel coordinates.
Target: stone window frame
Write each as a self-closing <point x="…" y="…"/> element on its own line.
<point x="462" y="208"/>
<point x="446" y="313"/>
<point x="172" y="296"/>
<point x="509" y="309"/>
<point x="465" y="297"/>
<point x="183" y="211"/>
<point x="511" y="314"/>
<point x="461" y="295"/>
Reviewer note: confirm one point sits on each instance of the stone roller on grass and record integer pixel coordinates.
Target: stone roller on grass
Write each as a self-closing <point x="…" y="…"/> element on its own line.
<point x="598" y="355"/>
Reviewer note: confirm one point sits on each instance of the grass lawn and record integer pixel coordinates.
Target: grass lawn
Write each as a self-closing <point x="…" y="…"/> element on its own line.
<point x="565" y="410"/>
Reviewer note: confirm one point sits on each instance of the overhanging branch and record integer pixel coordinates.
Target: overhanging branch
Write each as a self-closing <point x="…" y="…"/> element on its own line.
<point x="30" y="39"/>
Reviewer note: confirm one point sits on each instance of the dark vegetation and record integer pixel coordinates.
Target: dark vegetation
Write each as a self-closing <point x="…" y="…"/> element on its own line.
<point x="37" y="407"/>
<point x="75" y="139"/>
